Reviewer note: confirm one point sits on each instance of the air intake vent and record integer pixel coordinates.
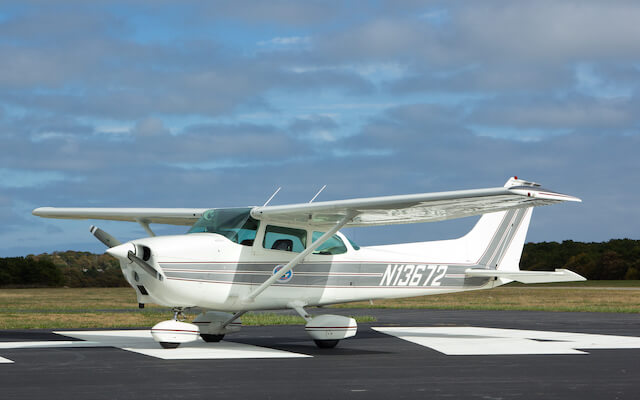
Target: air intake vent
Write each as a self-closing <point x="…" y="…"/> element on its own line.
<point x="142" y="290"/>
<point x="146" y="253"/>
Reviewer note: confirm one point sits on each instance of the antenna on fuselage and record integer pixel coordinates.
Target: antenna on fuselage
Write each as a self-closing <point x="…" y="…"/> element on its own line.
<point x="272" y="196"/>
<point x="319" y="191"/>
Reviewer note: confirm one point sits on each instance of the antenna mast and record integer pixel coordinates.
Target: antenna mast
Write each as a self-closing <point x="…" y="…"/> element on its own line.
<point x="272" y="196"/>
<point x="319" y="191"/>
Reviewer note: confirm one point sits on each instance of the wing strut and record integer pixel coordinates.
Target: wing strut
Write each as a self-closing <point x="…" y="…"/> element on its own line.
<point x="145" y="225"/>
<point x="298" y="259"/>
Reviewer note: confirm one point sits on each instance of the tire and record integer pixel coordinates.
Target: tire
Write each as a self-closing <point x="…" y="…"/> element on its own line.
<point x="169" y="345"/>
<point x="326" y="344"/>
<point x="211" y="338"/>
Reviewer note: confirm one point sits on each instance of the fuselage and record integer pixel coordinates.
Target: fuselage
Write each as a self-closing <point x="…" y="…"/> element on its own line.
<point x="210" y="271"/>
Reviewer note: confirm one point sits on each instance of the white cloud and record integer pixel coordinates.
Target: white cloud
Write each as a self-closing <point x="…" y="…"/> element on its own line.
<point x="591" y="83"/>
<point x="12" y="178"/>
<point x="286" y="41"/>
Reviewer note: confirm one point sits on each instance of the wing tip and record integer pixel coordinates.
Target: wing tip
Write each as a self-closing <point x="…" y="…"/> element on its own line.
<point x="39" y="212"/>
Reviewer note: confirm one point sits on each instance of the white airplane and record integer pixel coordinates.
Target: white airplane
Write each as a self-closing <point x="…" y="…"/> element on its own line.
<point x="235" y="260"/>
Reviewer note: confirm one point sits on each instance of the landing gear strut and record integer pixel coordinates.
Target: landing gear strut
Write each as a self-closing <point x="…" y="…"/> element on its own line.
<point x="178" y="313"/>
<point x="215" y="324"/>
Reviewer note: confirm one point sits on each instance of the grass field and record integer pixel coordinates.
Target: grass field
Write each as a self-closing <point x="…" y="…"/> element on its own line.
<point x="62" y="308"/>
<point x="515" y="298"/>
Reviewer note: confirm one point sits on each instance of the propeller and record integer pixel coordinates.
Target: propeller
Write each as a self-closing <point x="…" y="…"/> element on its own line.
<point x="104" y="237"/>
<point x="144" y="265"/>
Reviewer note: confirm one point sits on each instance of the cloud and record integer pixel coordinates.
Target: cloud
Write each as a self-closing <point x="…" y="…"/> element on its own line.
<point x="150" y="127"/>
<point x="285" y="41"/>
<point x="493" y="45"/>
<point x="317" y="128"/>
<point x="16" y="178"/>
<point x="287" y="12"/>
<point x="570" y="112"/>
<point x="218" y="104"/>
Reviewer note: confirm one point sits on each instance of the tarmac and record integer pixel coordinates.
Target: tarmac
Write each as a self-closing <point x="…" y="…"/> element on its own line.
<point x="405" y="354"/>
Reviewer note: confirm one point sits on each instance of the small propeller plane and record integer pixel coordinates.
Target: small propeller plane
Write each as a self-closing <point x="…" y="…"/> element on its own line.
<point x="235" y="260"/>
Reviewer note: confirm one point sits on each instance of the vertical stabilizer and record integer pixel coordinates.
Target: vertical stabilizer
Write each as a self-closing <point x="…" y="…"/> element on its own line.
<point x="498" y="238"/>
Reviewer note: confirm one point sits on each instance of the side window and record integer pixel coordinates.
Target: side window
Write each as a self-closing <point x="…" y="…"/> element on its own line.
<point x="333" y="245"/>
<point x="286" y="239"/>
<point x="247" y="233"/>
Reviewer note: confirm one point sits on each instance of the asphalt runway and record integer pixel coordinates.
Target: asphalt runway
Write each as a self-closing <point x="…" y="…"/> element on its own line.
<point x="405" y="354"/>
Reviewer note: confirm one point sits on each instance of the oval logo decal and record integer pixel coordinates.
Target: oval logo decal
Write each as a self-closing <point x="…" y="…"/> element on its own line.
<point x="284" y="278"/>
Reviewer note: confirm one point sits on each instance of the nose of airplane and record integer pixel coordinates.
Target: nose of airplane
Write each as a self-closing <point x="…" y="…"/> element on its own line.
<point x="122" y="251"/>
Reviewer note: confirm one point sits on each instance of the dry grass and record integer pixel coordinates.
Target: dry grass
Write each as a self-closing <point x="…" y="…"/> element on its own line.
<point x="56" y="320"/>
<point x="519" y="298"/>
<point x="63" y="308"/>
<point x="67" y="299"/>
<point x="117" y="307"/>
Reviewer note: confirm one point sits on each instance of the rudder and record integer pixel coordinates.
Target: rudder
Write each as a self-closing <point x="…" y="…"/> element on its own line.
<point x="498" y="239"/>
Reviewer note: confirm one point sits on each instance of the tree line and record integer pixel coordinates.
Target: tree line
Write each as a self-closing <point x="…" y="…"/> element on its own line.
<point x="68" y="268"/>
<point x="615" y="259"/>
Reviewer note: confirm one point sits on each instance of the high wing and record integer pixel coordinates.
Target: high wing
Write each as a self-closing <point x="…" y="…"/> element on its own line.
<point x="370" y="211"/>
<point x="404" y="209"/>
<point x="170" y="216"/>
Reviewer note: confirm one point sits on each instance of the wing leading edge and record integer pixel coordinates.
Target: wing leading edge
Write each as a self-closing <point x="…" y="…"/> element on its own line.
<point x="170" y="216"/>
<point x="415" y="208"/>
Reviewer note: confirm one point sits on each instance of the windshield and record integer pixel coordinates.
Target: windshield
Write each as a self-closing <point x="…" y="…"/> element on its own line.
<point x="233" y="223"/>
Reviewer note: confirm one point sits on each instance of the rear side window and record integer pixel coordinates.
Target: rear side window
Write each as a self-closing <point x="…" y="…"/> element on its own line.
<point x="333" y="245"/>
<point x="284" y="239"/>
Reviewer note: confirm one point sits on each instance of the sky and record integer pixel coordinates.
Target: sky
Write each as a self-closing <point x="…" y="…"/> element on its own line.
<point x="217" y="104"/>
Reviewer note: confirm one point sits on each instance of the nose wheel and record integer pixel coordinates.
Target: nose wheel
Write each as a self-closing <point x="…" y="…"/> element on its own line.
<point x="172" y="333"/>
<point x="326" y="344"/>
<point x="169" y="345"/>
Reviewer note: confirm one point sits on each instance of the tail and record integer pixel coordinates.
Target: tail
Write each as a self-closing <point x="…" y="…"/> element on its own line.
<point x="497" y="239"/>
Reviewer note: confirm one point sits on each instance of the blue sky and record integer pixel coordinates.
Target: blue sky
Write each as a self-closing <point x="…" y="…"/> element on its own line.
<point x="160" y="104"/>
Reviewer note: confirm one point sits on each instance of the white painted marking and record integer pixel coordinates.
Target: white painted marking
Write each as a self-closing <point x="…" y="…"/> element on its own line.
<point x="492" y="341"/>
<point x="5" y="361"/>
<point x="47" y="344"/>
<point x="140" y="341"/>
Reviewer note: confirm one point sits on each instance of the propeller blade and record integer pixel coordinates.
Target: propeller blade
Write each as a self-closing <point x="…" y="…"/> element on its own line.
<point x="104" y="237"/>
<point x="145" y="266"/>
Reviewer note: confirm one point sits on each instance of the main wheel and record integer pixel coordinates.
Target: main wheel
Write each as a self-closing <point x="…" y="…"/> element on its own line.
<point x="326" y="344"/>
<point x="211" y="338"/>
<point x="169" y="345"/>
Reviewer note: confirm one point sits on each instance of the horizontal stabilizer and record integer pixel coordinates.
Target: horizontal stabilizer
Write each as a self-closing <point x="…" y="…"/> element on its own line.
<point x="559" y="275"/>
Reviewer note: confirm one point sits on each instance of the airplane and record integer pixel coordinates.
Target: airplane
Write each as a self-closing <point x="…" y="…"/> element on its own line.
<point x="235" y="260"/>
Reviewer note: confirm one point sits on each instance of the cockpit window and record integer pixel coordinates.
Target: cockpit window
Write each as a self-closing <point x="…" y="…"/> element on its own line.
<point x="283" y="238"/>
<point x="353" y="244"/>
<point x="235" y="224"/>
<point x="331" y="246"/>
